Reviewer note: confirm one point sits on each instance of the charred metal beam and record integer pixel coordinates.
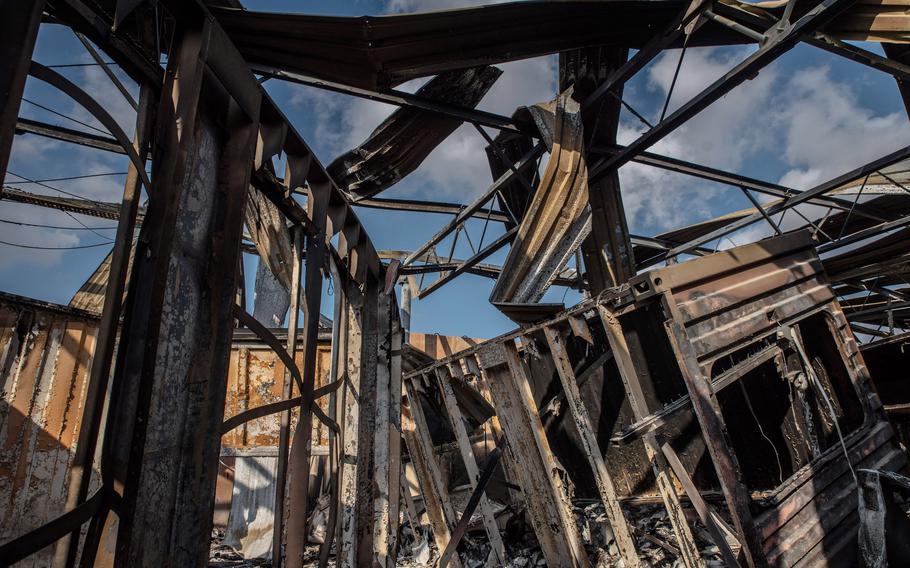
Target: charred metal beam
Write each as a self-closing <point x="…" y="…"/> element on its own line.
<point x="774" y="47"/>
<point x="176" y="299"/>
<point x="737" y="180"/>
<point x="607" y="250"/>
<point x="526" y="161"/>
<point x="102" y="209"/>
<point x="94" y="108"/>
<point x="402" y="99"/>
<point x="430" y="207"/>
<point x="403" y="140"/>
<point x="18" y="33"/>
<point x="900" y="71"/>
<point x="803" y="197"/>
<point x="25" y="125"/>
<point x="465" y="266"/>
<point x="98" y="27"/>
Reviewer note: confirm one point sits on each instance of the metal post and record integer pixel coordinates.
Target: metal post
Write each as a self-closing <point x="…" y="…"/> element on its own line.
<point x="284" y="432"/>
<point x="80" y="474"/>
<point x="406" y="309"/>
<point x="299" y="466"/>
<point x="18" y="32"/>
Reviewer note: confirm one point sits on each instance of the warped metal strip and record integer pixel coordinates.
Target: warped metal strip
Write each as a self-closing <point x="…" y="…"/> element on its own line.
<point x="269" y="339"/>
<point x="49" y="533"/>
<point x="280" y="406"/>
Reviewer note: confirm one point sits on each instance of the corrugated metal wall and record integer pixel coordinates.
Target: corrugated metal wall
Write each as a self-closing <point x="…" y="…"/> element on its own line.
<point x="45" y="356"/>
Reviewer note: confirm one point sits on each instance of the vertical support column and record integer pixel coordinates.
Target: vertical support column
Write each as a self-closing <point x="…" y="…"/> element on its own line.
<point x="177" y="333"/>
<point x="457" y="421"/>
<point x="18" y="31"/>
<point x="608" y="249"/>
<point x="299" y="466"/>
<point x="406" y="300"/>
<point x="714" y="432"/>
<point x="582" y="420"/>
<point x="546" y="499"/>
<point x="383" y="525"/>
<point x="284" y="432"/>
<point x="80" y="472"/>
<point x="368" y="529"/>
<point x="350" y="437"/>
<point x="394" y="432"/>
<point x="420" y="448"/>
<point x="631" y="376"/>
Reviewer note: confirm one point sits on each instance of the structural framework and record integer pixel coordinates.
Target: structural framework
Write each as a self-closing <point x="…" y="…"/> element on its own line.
<point x="753" y="397"/>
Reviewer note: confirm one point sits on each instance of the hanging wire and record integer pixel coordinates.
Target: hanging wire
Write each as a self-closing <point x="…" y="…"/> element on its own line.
<point x="34" y="247"/>
<point x="60" y="114"/>
<point x="68" y="214"/>
<point x="42" y="184"/>
<point x="23" y="224"/>
<point x="780" y="469"/>
<point x="68" y="178"/>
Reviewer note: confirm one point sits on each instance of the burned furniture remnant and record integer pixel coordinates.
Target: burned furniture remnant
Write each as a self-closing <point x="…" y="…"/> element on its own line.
<point x="696" y="406"/>
<point x="735" y="373"/>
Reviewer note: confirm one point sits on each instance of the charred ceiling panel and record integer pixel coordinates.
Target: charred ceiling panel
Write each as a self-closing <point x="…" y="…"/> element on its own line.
<point x="376" y="52"/>
<point x="401" y="143"/>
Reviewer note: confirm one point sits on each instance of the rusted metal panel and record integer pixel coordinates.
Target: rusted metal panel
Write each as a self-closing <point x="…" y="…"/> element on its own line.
<point x="256" y="377"/>
<point x="45" y="358"/>
<point x="734" y="296"/>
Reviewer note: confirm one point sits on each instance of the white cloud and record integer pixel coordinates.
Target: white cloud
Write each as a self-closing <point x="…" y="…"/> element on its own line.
<point x="827" y="131"/>
<point x="409" y="6"/>
<point x="719" y="137"/>
<point x="809" y="121"/>
<point x="34" y="236"/>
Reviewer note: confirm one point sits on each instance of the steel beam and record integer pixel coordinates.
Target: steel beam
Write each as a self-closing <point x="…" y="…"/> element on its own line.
<point x="777" y="44"/>
<point x="54" y="132"/>
<point x="430" y="207"/>
<point x="741" y="181"/>
<point x="402" y="99"/>
<point x="18" y="32"/>
<point x="803" y="197"/>
<point x="526" y="161"/>
<point x="168" y="395"/>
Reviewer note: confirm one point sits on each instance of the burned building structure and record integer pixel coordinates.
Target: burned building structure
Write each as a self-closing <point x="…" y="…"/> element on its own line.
<point x="752" y="399"/>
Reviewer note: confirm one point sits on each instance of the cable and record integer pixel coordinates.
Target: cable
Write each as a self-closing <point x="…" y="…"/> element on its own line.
<point x="71" y="178"/>
<point x="55" y="248"/>
<point x="68" y="214"/>
<point x="68" y="65"/>
<point x="60" y="114"/>
<point x="8" y="221"/>
<point x="27" y="180"/>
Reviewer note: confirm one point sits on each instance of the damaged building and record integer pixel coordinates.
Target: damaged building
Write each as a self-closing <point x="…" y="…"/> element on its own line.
<point x="237" y="381"/>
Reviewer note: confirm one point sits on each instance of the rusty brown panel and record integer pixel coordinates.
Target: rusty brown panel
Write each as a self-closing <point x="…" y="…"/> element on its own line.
<point x="824" y="496"/>
<point x="724" y="330"/>
<point x="255" y="377"/>
<point x="46" y="353"/>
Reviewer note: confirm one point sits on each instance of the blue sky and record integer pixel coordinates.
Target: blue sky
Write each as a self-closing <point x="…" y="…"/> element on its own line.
<point x="806" y="118"/>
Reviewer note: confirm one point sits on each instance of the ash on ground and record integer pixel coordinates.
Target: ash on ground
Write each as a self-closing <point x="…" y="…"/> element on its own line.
<point x="650" y="524"/>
